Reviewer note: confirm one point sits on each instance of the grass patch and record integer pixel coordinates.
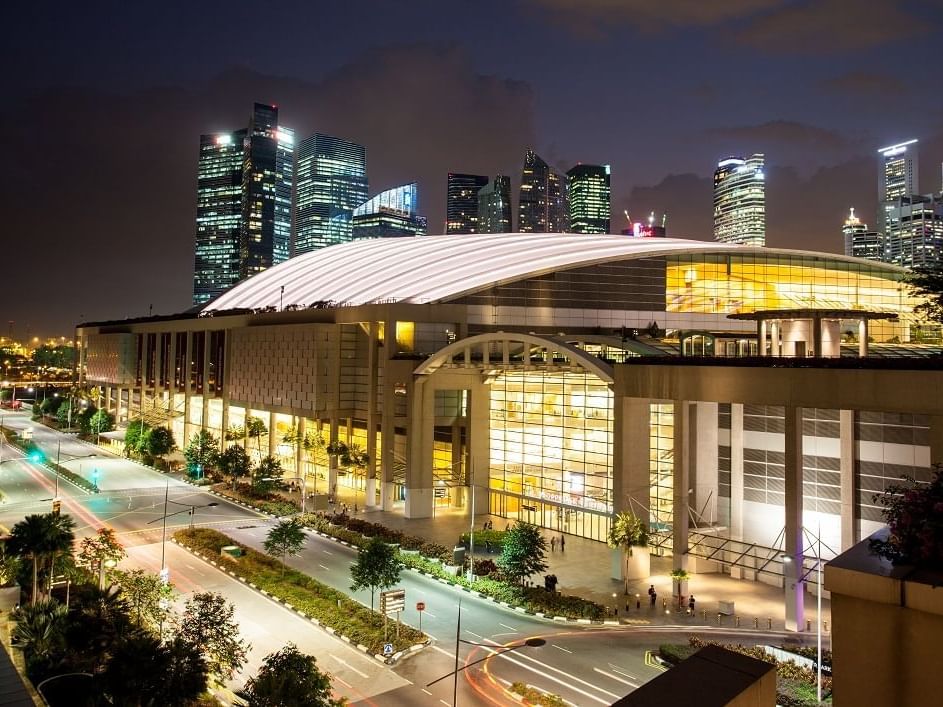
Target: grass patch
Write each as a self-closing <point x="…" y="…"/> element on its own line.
<point x="327" y="605"/>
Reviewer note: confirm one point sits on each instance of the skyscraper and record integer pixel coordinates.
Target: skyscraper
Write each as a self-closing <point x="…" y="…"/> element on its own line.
<point x="587" y="190"/>
<point x="332" y="182"/>
<point x="244" y="187"/>
<point x="389" y="214"/>
<point x="494" y="206"/>
<point x="898" y="177"/>
<point x="859" y="241"/>
<point x="740" y="201"/>
<point x="542" y="205"/>
<point x="914" y="235"/>
<point x="461" y="209"/>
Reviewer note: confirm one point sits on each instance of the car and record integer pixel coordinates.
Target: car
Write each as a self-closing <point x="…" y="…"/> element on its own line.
<point x="11" y="404"/>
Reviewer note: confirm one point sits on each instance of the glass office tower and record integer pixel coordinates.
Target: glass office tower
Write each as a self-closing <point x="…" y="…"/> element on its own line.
<point x="494" y="206"/>
<point x="740" y="201"/>
<point x="332" y="182"/>
<point x="897" y="178"/>
<point x="244" y="188"/>
<point x="914" y="236"/>
<point x="461" y="209"/>
<point x="389" y="214"/>
<point x="859" y="241"/>
<point x="587" y="190"/>
<point x="542" y="204"/>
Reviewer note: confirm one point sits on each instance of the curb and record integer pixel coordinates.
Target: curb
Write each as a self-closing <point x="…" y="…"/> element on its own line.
<point x="391" y="660"/>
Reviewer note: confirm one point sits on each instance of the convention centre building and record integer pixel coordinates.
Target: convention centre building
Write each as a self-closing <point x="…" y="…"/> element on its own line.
<point x="741" y="398"/>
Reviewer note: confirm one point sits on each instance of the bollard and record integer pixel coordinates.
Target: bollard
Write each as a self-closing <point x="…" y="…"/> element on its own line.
<point x="704" y="614"/>
<point x="808" y="624"/>
<point x="825" y="626"/>
<point x="664" y="603"/>
<point x="338" y="603"/>
<point x="756" y="622"/>
<point x="769" y="623"/>
<point x="736" y="621"/>
<point x="719" y="615"/>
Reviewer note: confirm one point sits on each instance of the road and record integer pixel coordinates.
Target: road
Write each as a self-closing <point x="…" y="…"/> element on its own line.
<point x="586" y="665"/>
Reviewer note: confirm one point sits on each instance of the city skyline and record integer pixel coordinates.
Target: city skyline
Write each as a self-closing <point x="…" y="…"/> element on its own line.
<point x="433" y="95"/>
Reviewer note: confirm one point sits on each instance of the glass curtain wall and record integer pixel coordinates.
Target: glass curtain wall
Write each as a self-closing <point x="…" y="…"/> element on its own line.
<point x="661" y="464"/>
<point x="551" y="451"/>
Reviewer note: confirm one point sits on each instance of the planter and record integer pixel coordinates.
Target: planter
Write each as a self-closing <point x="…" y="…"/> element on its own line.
<point x="679" y="587"/>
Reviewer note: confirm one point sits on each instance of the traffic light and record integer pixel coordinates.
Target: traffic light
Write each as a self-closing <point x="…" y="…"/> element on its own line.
<point x="36" y="456"/>
<point x="95" y="478"/>
<point x="56" y="506"/>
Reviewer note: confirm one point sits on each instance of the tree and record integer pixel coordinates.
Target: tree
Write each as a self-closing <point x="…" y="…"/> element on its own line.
<point x="102" y="421"/>
<point x="377" y="567"/>
<point x="285" y="539"/>
<point x="235" y="463"/>
<point x="289" y="678"/>
<point x="133" y="435"/>
<point x="202" y="452"/>
<point x="927" y="284"/>
<point x="256" y="429"/>
<point x="627" y="531"/>
<point x="65" y="414"/>
<point x="41" y="538"/>
<point x="50" y="405"/>
<point x="146" y="597"/>
<point x="208" y="624"/>
<point x="524" y="551"/>
<point x="100" y="551"/>
<point x="147" y="673"/>
<point x="40" y="631"/>
<point x="267" y="474"/>
<point x="83" y="418"/>
<point x="97" y="620"/>
<point x="158" y="441"/>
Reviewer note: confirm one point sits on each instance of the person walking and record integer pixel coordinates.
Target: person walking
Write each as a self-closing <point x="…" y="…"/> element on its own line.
<point x="553" y="543"/>
<point x="652" y="596"/>
<point x="562" y="543"/>
<point x="691" y="604"/>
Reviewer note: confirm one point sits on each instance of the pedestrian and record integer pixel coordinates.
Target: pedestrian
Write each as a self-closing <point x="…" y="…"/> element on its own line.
<point x="638" y="603"/>
<point x="553" y="544"/>
<point x="355" y="509"/>
<point x="484" y="525"/>
<point x="490" y="525"/>
<point x="691" y="604"/>
<point x="507" y="527"/>
<point x="651" y="596"/>
<point x="562" y="543"/>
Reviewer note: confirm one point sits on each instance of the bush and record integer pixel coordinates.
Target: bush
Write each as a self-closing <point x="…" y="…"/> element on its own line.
<point x="485" y="568"/>
<point x="674" y="653"/>
<point x="534" y="696"/>
<point x="327" y="605"/>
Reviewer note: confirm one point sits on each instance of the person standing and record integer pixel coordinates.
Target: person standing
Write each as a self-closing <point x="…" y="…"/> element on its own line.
<point x="562" y="543"/>
<point x="651" y="596"/>
<point x="553" y="543"/>
<point x="691" y="604"/>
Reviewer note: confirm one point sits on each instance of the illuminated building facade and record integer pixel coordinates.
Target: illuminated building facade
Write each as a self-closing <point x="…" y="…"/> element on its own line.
<point x="740" y="201"/>
<point x="914" y="236"/>
<point x="389" y="214"/>
<point x="542" y="204"/>
<point x="860" y="242"/>
<point x="461" y="208"/>
<point x="494" y="206"/>
<point x="332" y="182"/>
<point x="244" y="190"/>
<point x="551" y="376"/>
<point x="588" y="198"/>
<point x="898" y="177"/>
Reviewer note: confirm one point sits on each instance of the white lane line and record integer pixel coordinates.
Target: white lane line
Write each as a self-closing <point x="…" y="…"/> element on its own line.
<point x="323" y="567"/>
<point x="345" y="684"/>
<point x="472" y="633"/>
<point x="613" y="677"/>
<point x="531" y="668"/>
<point x="327" y="552"/>
<point x="561" y="672"/>
<point x="189" y="567"/>
<point x="561" y="648"/>
<point x="430" y="614"/>
<point x="615" y="669"/>
<point x="427" y="692"/>
<point x="447" y="704"/>
<point x="509" y="628"/>
<point x="348" y="665"/>
<point x="444" y="652"/>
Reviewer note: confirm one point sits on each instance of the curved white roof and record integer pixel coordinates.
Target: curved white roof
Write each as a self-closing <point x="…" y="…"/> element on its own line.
<point x="436" y="268"/>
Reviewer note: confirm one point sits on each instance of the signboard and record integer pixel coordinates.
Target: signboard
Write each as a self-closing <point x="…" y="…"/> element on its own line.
<point x="387" y="649"/>
<point x="420" y="606"/>
<point x="392" y="601"/>
<point x="165" y="575"/>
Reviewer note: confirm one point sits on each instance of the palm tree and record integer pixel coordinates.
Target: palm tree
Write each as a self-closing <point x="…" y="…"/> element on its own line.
<point x="60" y="540"/>
<point x="40" y="629"/>
<point x="627" y="531"/>
<point x="28" y="539"/>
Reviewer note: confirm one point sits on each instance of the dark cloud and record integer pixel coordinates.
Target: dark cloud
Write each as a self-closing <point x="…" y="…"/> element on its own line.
<point x="788" y="26"/>
<point x="102" y="199"/>
<point x="688" y="199"/>
<point x="865" y="84"/>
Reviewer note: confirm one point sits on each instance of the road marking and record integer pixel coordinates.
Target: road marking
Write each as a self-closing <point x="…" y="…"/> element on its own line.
<point x="473" y="634"/>
<point x="445" y="652"/>
<point x="531" y="668"/>
<point x="348" y="665"/>
<point x="561" y="648"/>
<point x="189" y="567"/>
<point x="615" y="669"/>
<point x="345" y="684"/>
<point x="447" y="704"/>
<point x="613" y="677"/>
<point x="430" y="614"/>
<point x="509" y="628"/>
<point x="427" y="692"/>
<point x="322" y="567"/>
<point x="327" y="552"/>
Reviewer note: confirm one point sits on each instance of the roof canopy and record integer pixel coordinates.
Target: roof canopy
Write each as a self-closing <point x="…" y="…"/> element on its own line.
<point x="439" y="268"/>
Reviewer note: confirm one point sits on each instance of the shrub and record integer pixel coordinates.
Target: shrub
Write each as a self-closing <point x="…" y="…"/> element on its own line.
<point x="485" y="568"/>
<point x="676" y="652"/>
<point x="536" y="697"/>
<point x="494" y="538"/>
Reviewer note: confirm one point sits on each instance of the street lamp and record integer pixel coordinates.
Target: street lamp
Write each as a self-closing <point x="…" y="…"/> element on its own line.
<point x="191" y="509"/>
<point x="818" y="628"/>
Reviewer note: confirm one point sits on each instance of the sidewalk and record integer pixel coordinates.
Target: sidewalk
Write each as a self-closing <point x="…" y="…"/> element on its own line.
<point x="583" y="569"/>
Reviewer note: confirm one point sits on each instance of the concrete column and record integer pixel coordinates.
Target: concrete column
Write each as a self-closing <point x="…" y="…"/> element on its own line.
<point x="370" y="486"/>
<point x="936" y="439"/>
<point x="107" y="401"/>
<point x="205" y="418"/>
<point x="419" y="476"/>
<point x="455" y="461"/>
<point x="795" y="546"/>
<point x="862" y="337"/>
<point x="704" y="443"/>
<point x="172" y="378"/>
<point x="761" y="338"/>
<point x="774" y="349"/>
<point x="387" y="434"/>
<point x="631" y="475"/>
<point x="479" y="444"/>
<point x="816" y="336"/>
<point x="332" y="459"/>
<point x="272" y="437"/>
<point x="681" y="479"/>
<point x="187" y="386"/>
<point x="299" y="425"/>
<point x="158" y="365"/>
<point x="846" y="466"/>
<point x="736" y="488"/>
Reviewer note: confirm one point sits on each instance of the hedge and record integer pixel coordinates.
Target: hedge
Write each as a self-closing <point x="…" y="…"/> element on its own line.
<point x="533" y="696"/>
<point x="329" y="606"/>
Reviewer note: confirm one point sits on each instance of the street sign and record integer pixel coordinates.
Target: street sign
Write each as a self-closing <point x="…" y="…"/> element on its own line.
<point x="392" y="601"/>
<point x="420" y="606"/>
<point x="165" y="575"/>
<point x="387" y="649"/>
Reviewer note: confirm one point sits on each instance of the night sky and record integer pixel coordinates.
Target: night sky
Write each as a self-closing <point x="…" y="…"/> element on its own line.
<point x="103" y="105"/>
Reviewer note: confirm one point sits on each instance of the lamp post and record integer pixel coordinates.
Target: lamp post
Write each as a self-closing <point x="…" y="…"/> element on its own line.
<point x="818" y="623"/>
<point x="191" y="509"/>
